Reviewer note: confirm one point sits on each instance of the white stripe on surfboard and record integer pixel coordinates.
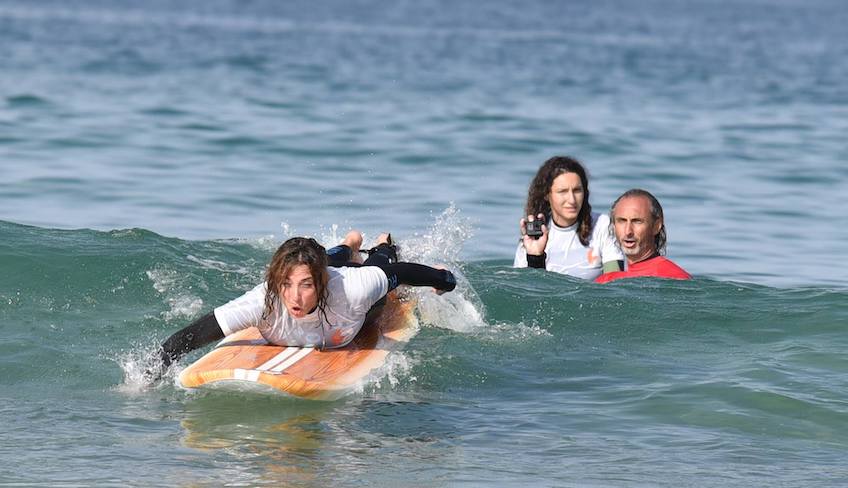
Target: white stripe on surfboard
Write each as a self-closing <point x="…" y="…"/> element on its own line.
<point x="276" y="365"/>
<point x="289" y="362"/>
<point x="279" y="358"/>
<point x="252" y="342"/>
<point x="246" y="374"/>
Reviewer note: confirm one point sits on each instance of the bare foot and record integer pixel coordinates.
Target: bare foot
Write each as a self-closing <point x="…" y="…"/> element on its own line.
<point x="353" y="240"/>
<point x="383" y="238"/>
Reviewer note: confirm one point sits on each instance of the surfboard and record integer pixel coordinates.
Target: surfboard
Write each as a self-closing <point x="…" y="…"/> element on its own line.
<point x="244" y="361"/>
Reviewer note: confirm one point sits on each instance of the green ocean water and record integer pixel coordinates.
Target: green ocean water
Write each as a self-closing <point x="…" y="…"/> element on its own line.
<point x="154" y="155"/>
<point x="520" y="377"/>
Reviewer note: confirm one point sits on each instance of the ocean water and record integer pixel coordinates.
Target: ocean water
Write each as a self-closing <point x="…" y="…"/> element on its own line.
<point x="153" y="155"/>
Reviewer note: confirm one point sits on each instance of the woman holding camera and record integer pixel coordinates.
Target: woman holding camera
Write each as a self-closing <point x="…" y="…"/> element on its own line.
<point x="560" y="232"/>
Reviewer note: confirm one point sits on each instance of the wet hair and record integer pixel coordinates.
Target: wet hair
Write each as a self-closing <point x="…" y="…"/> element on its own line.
<point x="656" y="213"/>
<point x="292" y="253"/>
<point x="540" y="187"/>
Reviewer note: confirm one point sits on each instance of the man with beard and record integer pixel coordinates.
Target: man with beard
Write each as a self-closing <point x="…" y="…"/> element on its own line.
<point x="637" y="220"/>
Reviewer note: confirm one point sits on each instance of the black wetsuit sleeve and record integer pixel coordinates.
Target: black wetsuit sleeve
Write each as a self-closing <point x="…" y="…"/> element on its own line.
<point x="200" y="333"/>
<point x="418" y="275"/>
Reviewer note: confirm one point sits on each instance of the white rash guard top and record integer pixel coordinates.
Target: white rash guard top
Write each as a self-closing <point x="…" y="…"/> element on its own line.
<point x="351" y="293"/>
<point x="567" y="255"/>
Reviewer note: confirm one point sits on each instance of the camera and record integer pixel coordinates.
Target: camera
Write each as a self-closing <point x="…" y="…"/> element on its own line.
<point x="534" y="229"/>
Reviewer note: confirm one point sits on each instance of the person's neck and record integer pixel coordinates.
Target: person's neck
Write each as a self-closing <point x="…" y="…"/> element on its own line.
<point x="649" y="254"/>
<point x="561" y="223"/>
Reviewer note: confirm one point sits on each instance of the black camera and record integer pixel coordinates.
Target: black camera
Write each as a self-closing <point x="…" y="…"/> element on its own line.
<point x="534" y="229"/>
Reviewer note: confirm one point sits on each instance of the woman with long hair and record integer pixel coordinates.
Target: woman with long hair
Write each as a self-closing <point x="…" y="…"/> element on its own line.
<point x="572" y="240"/>
<point x="310" y="296"/>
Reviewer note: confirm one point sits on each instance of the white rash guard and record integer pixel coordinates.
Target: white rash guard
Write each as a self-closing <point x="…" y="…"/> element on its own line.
<point x="351" y="293"/>
<point x="566" y="255"/>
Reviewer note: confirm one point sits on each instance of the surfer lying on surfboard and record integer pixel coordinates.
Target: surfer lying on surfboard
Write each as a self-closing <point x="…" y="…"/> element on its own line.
<point x="310" y="297"/>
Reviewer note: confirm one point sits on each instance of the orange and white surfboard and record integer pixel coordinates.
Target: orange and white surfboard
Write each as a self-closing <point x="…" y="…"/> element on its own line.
<point x="245" y="361"/>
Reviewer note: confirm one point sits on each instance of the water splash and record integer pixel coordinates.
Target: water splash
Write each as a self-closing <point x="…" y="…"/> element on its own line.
<point x="138" y="363"/>
<point x="216" y="265"/>
<point x="461" y="310"/>
<point x="443" y="242"/>
<point x="396" y="371"/>
<point x="170" y="284"/>
<point x="329" y="237"/>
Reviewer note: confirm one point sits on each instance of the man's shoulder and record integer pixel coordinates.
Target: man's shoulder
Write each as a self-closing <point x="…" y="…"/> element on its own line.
<point x="607" y="277"/>
<point x="666" y="268"/>
<point x="657" y="267"/>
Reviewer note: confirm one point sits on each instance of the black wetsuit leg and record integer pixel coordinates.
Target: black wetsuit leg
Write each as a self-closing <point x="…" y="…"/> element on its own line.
<point x="382" y="255"/>
<point x="339" y="256"/>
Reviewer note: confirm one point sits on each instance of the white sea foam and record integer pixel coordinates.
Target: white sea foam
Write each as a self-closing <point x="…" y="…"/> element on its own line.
<point x="181" y="303"/>
<point x="460" y="310"/>
<point x="443" y="242"/>
<point x="137" y="364"/>
<point x="452" y="311"/>
<point x="396" y="371"/>
<point x="183" y="307"/>
<point x="513" y="333"/>
<point x="328" y="236"/>
<point x="269" y="242"/>
<point x="217" y="265"/>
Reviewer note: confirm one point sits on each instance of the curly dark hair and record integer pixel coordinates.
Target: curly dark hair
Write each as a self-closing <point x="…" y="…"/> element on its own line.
<point x="656" y="213"/>
<point x="540" y="187"/>
<point x="294" y="252"/>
